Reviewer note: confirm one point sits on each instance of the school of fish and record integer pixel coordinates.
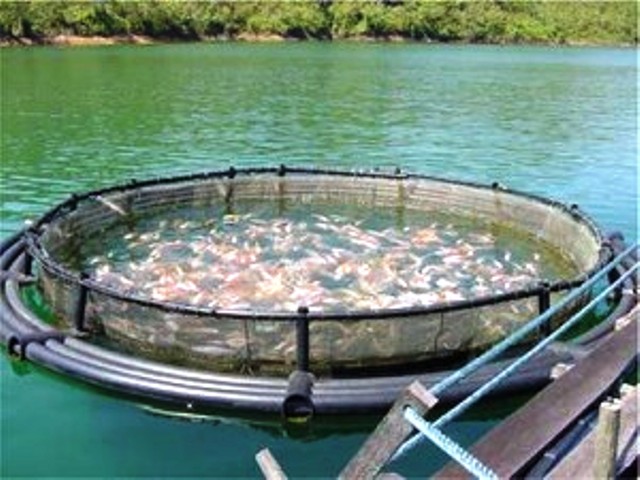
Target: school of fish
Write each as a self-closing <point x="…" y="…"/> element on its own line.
<point x="327" y="262"/>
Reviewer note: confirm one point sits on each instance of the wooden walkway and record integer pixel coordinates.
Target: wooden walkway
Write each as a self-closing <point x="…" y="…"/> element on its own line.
<point x="511" y="447"/>
<point x="579" y="462"/>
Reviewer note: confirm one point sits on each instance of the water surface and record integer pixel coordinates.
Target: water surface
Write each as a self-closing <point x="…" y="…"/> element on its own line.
<point x="559" y="122"/>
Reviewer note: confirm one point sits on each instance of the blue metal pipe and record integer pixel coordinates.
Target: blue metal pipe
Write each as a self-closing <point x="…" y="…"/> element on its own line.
<point x="525" y="330"/>
<point x="450" y="447"/>
<point x="490" y="385"/>
<point x="513" y="339"/>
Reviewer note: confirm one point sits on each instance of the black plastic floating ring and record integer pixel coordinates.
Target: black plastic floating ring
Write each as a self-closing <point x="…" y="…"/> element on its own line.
<point x="17" y="344"/>
<point x="26" y="335"/>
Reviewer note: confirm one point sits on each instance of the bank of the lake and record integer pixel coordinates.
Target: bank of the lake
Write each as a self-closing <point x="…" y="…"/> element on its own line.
<point x="486" y="21"/>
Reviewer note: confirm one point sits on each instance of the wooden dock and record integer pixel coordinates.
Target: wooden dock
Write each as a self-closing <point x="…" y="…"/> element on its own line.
<point x="517" y="442"/>
<point x="579" y="462"/>
<point x="534" y="432"/>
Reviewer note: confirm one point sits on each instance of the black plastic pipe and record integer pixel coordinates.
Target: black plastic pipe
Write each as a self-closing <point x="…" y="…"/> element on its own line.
<point x="198" y="389"/>
<point x="302" y="339"/>
<point x="81" y="304"/>
<point x="129" y="375"/>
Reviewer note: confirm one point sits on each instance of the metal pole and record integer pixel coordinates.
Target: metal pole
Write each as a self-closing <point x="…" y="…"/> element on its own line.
<point x="297" y="405"/>
<point x="451" y="448"/>
<point x="525" y="330"/>
<point x="302" y="339"/>
<point x="81" y="304"/>
<point x="28" y="264"/>
<point x="511" y="340"/>
<point x="29" y="235"/>
<point x="544" y="303"/>
<point x="488" y="386"/>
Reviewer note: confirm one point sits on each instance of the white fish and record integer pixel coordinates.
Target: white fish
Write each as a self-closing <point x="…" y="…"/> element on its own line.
<point x="277" y="263"/>
<point x="444" y="283"/>
<point x="109" y="204"/>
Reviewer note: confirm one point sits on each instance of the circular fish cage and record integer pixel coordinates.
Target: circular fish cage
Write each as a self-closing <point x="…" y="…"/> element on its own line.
<point x="209" y="290"/>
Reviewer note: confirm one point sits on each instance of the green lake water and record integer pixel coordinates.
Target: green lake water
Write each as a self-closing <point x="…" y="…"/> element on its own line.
<point x="560" y="122"/>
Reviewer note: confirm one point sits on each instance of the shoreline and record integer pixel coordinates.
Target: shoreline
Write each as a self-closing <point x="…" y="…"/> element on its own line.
<point x="77" y="41"/>
<point x="99" y="40"/>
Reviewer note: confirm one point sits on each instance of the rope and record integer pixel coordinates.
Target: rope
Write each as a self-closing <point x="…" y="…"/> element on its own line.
<point x="495" y="381"/>
<point x="511" y="341"/>
<point x="525" y="330"/>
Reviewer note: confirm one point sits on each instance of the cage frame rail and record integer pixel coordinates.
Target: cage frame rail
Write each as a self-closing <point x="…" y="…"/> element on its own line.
<point x="71" y="355"/>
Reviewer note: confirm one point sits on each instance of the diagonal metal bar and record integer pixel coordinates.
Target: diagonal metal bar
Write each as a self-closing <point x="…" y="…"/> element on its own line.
<point x="513" y="339"/>
<point x="525" y="330"/>
<point x="495" y="381"/>
<point x="449" y="446"/>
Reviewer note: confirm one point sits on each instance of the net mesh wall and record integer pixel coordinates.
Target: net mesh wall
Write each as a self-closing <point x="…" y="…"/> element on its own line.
<point x="222" y="343"/>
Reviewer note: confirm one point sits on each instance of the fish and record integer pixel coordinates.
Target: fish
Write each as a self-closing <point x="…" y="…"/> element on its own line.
<point x="230" y="219"/>
<point x="217" y="349"/>
<point x="327" y="261"/>
<point x="443" y="283"/>
<point x="111" y="205"/>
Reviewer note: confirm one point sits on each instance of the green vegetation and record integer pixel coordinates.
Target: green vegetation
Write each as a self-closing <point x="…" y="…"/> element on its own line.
<point x="480" y="21"/>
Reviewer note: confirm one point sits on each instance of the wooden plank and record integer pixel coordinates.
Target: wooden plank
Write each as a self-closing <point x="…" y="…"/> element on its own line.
<point x="512" y="445"/>
<point x="606" y="451"/>
<point x="388" y="435"/>
<point x="269" y="466"/>
<point x="579" y="462"/>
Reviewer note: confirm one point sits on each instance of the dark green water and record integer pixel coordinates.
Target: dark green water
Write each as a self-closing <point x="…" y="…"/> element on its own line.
<point x="553" y="121"/>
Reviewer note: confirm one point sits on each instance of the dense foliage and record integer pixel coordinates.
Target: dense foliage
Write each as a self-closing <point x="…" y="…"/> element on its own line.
<point x="482" y="21"/>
